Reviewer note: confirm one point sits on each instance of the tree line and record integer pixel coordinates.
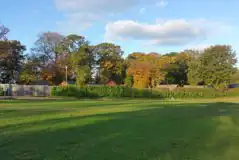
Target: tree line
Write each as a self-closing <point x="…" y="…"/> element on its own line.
<point x="98" y="64"/>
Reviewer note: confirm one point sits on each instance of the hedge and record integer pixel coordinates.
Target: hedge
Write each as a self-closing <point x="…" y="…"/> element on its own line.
<point x="121" y="92"/>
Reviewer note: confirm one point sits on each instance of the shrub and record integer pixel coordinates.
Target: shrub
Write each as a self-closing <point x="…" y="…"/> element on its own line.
<point x="122" y="91"/>
<point x="67" y="91"/>
<point x="100" y="91"/>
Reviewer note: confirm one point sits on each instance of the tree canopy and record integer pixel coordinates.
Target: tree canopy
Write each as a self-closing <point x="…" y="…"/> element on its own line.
<point x="214" y="67"/>
<point x="12" y="57"/>
<point x="53" y="53"/>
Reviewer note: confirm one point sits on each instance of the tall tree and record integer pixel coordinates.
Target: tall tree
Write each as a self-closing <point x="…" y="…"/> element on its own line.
<point x="140" y="71"/>
<point x="47" y="46"/>
<point x="47" y="49"/>
<point x="148" y="70"/>
<point x="216" y="66"/>
<point x="193" y="72"/>
<point x="11" y="53"/>
<point x="109" y="61"/>
<point x="31" y="69"/>
<point x="80" y="57"/>
<point x="177" y="71"/>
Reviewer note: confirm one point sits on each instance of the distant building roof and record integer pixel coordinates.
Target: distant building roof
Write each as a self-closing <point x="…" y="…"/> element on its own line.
<point x="111" y="83"/>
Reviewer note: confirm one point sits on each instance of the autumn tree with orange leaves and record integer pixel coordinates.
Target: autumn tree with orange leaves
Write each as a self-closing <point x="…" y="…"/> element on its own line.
<point x="148" y="70"/>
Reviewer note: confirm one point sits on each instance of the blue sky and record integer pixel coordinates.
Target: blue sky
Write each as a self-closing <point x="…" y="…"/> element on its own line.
<point x="137" y="25"/>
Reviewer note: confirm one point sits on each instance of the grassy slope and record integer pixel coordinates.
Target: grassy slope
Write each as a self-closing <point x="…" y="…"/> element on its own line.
<point x="120" y="130"/>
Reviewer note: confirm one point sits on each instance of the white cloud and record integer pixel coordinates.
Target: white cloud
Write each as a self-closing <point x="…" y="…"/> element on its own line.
<point x="80" y="14"/>
<point x="171" y="32"/>
<point x="80" y="10"/>
<point x="162" y="3"/>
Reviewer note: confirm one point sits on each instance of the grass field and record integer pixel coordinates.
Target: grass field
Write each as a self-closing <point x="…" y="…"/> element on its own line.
<point x="119" y="130"/>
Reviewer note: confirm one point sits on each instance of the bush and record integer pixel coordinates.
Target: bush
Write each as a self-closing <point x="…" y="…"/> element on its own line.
<point x="67" y="91"/>
<point x="100" y="91"/>
<point x="122" y="91"/>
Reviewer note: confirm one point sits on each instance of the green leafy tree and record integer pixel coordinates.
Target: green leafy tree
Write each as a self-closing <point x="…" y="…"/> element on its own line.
<point x="193" y="72"/>
<point x="80" y="57"/>
<point x="217" y="66"/>
<point x="30" y="69"/>
<point x="11" y="60"/>
<point x="109" y="63"/>
<point x="82" y="75"/>
<point x="80" y="67"/>
<point x="177" y="71"/>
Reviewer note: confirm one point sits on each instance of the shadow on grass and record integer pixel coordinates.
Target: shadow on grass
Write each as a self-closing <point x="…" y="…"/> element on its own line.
<point x="176" y="132"/>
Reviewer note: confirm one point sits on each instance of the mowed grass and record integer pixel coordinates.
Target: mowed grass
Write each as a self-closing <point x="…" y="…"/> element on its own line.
<point x="120" y="130"/>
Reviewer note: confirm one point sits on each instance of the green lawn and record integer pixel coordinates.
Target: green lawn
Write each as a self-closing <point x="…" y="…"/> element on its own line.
<point x="119" y="130"/>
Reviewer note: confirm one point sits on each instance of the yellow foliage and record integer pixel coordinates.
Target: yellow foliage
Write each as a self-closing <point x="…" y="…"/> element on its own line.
<point x="148" y="69"/>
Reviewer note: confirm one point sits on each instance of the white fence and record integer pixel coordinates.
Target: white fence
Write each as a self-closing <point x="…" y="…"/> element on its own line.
<point x="26" y="90"/>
